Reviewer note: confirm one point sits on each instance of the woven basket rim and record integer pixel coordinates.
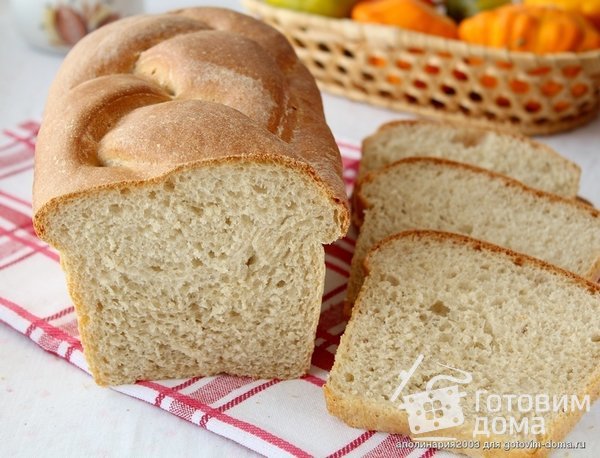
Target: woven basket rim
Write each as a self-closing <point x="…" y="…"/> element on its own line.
<point x="384" y="35"/>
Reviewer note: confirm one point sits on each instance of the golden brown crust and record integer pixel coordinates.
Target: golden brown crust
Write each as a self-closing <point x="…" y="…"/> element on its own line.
<point x="584" y="201"/>
<point x="148" y="95"/>
<point x="362" y="202"/>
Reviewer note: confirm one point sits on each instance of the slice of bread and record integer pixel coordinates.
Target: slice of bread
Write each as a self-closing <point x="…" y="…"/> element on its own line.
<point x="431" y="193"/>
<point x="516" y="324"/>
<point x="513" y="155"/>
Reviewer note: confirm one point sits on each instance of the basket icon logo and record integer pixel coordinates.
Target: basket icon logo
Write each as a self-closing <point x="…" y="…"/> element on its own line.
<point x="432" y="409"/>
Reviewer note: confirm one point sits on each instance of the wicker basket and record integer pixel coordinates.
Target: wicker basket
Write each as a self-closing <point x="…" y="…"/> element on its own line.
<point x="442" y="78"/>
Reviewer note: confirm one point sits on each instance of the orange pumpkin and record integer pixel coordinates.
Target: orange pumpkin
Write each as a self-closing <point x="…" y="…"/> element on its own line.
<point x="588" y="8"/>
<point x="537" y="29"/>
<point x="408" y="14"/>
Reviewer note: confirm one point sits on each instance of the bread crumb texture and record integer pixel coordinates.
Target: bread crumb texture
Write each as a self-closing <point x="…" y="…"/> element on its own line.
<point x="212" y="270"/>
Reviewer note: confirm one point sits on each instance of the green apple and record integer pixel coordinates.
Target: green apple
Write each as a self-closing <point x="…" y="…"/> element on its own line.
<point x="331" y="8"/>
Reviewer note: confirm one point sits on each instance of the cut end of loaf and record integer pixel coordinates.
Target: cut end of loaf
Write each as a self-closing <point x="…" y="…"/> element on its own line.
<point x="210" y="269"/>
<point x="493" y="313"/>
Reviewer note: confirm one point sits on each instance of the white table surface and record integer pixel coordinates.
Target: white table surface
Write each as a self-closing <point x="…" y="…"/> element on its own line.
<point x="50" y="408"/>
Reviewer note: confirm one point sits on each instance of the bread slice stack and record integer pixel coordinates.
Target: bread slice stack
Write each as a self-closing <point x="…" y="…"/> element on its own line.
<point x="432" y="192"/>
<point x="513" y="324"/>
<point x="458" y="263"/>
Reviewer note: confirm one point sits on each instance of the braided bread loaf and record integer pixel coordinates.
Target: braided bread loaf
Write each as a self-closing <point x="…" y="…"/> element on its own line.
<point x="185" y="173"/>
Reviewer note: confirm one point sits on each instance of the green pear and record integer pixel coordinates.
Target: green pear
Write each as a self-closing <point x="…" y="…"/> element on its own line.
<point x="331" y="8"/>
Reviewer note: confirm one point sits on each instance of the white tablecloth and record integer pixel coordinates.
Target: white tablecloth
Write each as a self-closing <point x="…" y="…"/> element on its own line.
<point x="49" y="408"/>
